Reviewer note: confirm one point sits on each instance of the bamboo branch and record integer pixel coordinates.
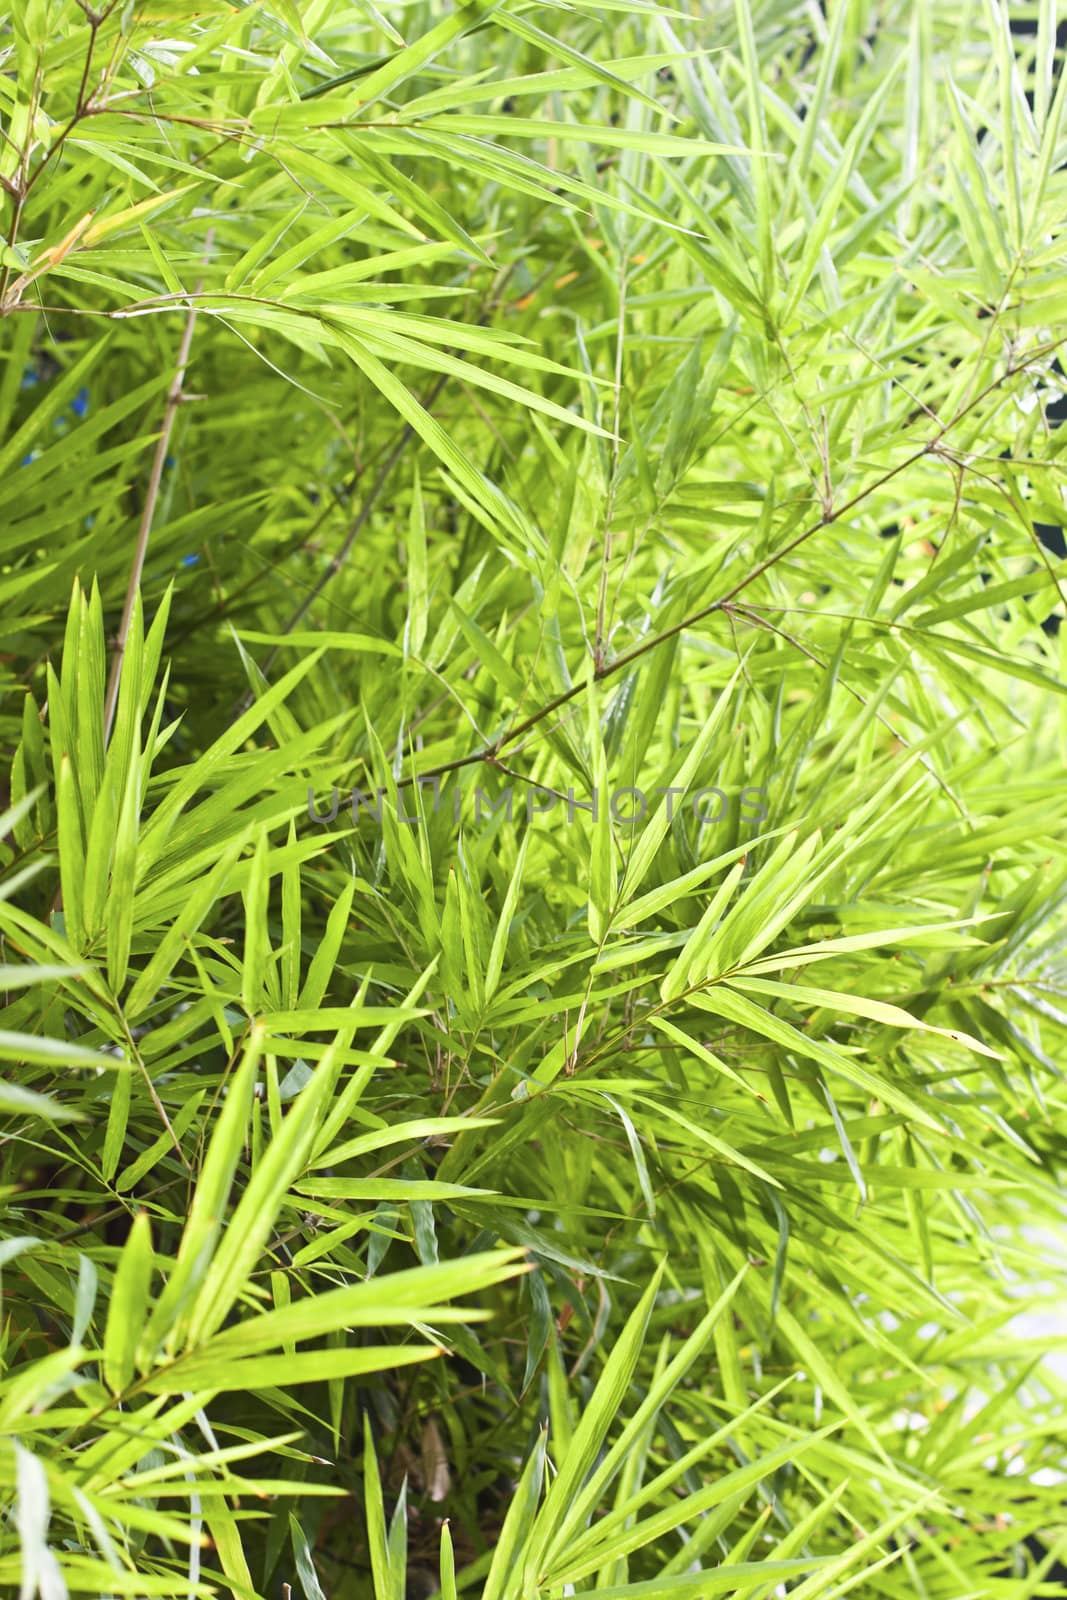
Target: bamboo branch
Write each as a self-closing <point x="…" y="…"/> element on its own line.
<point x="174" y="398"/>
<point x="608" y="669"/>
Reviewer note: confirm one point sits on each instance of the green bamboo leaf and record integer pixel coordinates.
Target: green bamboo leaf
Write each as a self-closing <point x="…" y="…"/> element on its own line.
<point x="203" y="1226"/>
<point x="724" y="1002"/>
<point x="588" y="1437"/>
<point x="262" y="1372"/>
<point x="128" y="1305"/>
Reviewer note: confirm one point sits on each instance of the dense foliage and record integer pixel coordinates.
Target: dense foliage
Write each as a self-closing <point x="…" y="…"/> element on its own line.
<point x="533" y="882"/>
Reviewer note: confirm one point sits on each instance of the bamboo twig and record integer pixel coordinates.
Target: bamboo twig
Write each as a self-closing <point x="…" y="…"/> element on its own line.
<point x="607" y="669"/>
<point x="174" y="398"/>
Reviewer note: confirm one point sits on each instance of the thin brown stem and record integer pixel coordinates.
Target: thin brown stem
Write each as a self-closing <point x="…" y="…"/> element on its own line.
<point x="609" y="506"/>
<point x="371" y="498"/>
<point x="226" y="604"/>
<point x="81" y="107"/>
<point x="359" y="522"/>
<point x="629" y="657"/>
<point x="174" y="397"/>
